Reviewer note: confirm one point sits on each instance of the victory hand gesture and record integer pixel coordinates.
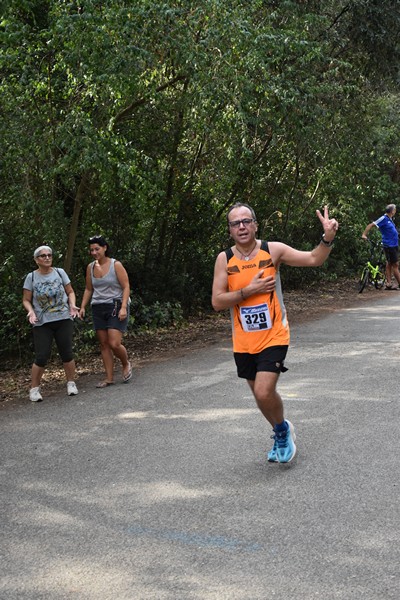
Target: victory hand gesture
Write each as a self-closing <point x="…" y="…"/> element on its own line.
<point x="330" y="225"/>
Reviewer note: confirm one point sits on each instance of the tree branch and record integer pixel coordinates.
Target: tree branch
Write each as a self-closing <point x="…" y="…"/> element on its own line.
<point x="126" y="112"/>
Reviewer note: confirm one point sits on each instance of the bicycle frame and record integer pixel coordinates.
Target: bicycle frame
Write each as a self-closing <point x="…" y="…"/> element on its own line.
<point x="374" y="270"/>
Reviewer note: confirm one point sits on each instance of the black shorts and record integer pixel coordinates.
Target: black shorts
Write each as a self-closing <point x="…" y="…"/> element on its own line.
<point x="105" y="316"/>
<point x="271" y="360"/>
<point x="392" y="254"/>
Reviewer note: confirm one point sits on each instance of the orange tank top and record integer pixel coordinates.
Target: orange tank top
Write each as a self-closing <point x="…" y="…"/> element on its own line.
<point x="258" y="321"/>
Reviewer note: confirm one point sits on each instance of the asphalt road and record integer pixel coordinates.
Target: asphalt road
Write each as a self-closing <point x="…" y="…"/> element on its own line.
<point x="160" y="489"/>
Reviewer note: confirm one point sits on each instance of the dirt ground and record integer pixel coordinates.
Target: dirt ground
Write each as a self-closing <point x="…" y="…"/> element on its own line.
<point x="302" y="305"/>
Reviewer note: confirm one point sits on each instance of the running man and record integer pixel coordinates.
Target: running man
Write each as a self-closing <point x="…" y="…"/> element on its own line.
<point x="247" y="281"/>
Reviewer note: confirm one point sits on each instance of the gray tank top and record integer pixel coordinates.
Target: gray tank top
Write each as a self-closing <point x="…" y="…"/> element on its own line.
<point x="106" y="289"/>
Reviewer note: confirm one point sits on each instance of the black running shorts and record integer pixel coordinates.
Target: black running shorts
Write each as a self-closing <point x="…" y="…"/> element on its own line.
<point x="271" y="360"/>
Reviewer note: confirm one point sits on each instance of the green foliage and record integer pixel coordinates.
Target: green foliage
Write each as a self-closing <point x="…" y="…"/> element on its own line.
<point x="154" y="316"/>
<point x="145" y="120"/>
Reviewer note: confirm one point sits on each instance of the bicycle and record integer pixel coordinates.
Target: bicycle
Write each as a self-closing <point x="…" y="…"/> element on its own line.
<point x="374" y="270"/>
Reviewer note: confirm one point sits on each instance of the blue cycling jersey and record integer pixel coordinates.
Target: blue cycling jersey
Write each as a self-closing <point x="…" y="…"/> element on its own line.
<point x="390" y="237"/>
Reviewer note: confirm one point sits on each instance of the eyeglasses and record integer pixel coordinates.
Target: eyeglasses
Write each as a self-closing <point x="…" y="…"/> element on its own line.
<point x="45" y="256"/>
<point x="245" y="222"/>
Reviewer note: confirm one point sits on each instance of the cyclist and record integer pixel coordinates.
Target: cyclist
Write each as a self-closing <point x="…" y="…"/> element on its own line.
<point x="390" y="241"/>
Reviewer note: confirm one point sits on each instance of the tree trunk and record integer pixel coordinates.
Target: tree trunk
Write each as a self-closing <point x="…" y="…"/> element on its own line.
<point x="80" y="194"/>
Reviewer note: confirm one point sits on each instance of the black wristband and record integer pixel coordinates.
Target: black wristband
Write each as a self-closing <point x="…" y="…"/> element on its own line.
<point x="325" y="243"/>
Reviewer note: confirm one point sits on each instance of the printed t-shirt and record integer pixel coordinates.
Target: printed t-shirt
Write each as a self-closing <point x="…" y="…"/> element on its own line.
<point x="49" y="299"/>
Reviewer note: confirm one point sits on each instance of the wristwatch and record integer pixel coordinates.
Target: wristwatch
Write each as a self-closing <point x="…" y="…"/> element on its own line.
<point x="325" y="243"/>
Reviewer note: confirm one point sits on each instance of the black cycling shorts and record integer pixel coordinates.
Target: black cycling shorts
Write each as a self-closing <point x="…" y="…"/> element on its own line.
<point x="43" y="336"/>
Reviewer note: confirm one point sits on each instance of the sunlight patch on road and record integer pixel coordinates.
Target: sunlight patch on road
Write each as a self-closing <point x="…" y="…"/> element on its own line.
<point x="133" y="415"/>
<point x="172" y="490"/>
<point x="202" y="415"/>
<point x="212" y="414"/>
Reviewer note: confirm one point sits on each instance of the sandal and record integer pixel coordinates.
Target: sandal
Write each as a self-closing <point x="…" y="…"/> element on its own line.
<point x="128" y="376"/>
<point x="104" y="384"/>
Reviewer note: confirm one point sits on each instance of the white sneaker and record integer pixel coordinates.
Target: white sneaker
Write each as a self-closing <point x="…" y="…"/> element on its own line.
<point x="72" y="390"/>
<point x="35" y="395"/>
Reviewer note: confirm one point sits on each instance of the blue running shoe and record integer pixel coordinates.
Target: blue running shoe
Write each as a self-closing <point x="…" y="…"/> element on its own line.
<point x="285" y="446"/>
<point x="272" y="455"/>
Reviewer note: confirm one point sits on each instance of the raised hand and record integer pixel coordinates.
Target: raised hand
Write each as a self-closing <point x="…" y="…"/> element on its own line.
<point x="330" y="225"/>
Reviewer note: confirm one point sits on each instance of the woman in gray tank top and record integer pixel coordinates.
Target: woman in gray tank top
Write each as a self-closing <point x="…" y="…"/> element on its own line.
<point x="107" y="284"/>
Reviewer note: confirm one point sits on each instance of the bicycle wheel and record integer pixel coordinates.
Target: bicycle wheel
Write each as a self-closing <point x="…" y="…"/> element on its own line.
<point x="379" y="280"/>
<point x="363" y="280"/>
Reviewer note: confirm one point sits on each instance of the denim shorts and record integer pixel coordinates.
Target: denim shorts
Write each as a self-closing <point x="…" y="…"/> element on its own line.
<point x="105" y="316"/>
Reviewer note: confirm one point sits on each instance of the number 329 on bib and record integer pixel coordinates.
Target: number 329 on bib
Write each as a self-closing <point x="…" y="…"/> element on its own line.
<point x="255" y="318"/>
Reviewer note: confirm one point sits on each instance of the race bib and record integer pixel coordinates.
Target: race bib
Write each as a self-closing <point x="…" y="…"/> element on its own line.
<point x="255" y="318"/>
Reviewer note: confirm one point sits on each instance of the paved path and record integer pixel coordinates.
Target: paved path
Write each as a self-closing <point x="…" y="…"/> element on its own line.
<point x="160" y="489"/>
